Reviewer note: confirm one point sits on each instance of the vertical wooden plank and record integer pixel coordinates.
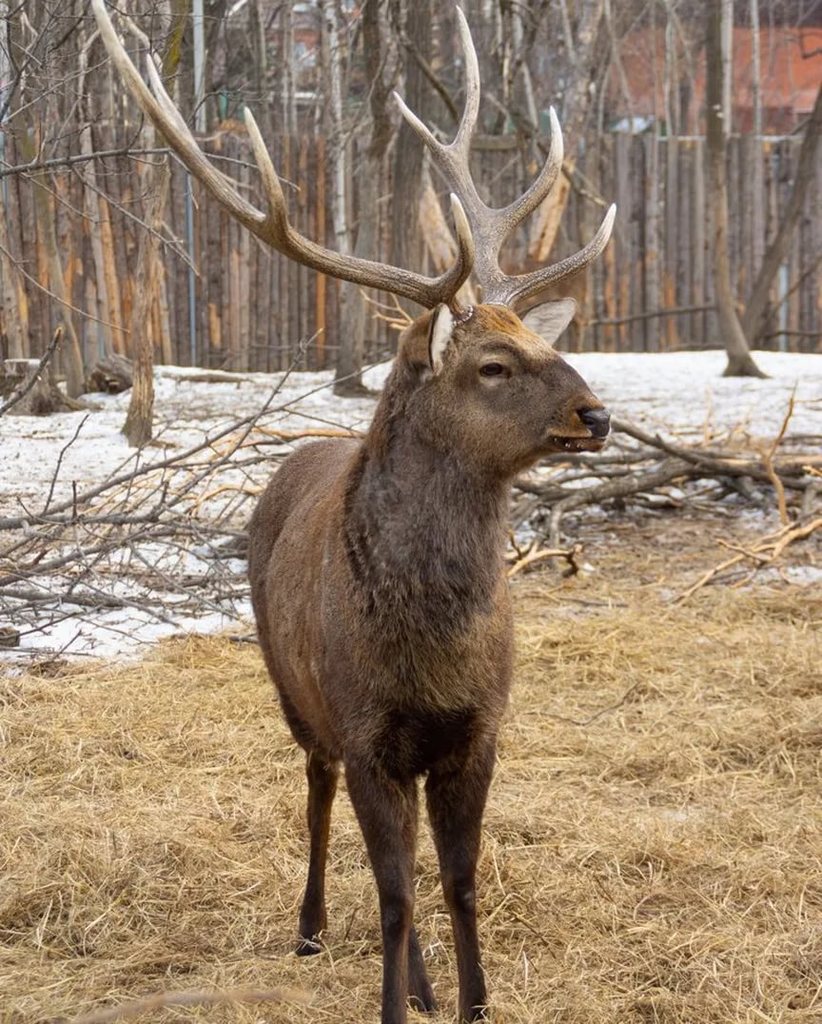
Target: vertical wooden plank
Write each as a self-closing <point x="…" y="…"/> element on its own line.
<point x="302" y="332"/>
<point x="698" y="321"/>
<point x="213" y="268"/>
<point x="246" y="296"/>
<point x="794" y="319"/>
<point x="606" y="336"/>
<point x="284" y="282"/>
<point x="668" y="327"/>
<point x="224" y="228"/>
<point x="623" y="192"/>
<point x="174" y="266"/>
<point x="652" y="299"/>
<point x="262" y="308"/>
<point x="741" y="201"/>
<point x="811" y="286"/>
<point x="733" y="158"/>
<point x="46" y="312"/>
<point x="773" y="173"/>
<point x="14" y="222"/>
<point x="682" y="243"/>
<point x="322" y="280"/>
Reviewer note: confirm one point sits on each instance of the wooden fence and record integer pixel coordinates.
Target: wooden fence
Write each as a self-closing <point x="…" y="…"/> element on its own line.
<point x="224" y="300"/>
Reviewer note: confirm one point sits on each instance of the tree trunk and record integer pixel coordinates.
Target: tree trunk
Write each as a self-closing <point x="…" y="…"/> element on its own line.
<point x="288" y="101"/>
<point x="47" y="220"/>
<point x="753" y="319"/>
<point x="577" y="101"/>
<point x="407" y="248"/>
<point x="13" y="326"/>
<point x="46" y="217"/>
<point x="740" y="361"/>
<point x="109" y="331"/>
<point x="353" y="305"/>
<point x="14" y="322"/>
<point x="138" y="425"/>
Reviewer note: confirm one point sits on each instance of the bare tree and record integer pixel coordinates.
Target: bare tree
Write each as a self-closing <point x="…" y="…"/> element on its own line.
<point x="46" y="222"/>
<point x="754" y="318"/>
<point x="354" y="310"/>
<point x="412" y="19"/>
<point x="139" y="419"/>
<point x="740" y="360"/>
<point x="577" y="95"/>
<point x="138" y="424"/>
<point x="12" y="321"/>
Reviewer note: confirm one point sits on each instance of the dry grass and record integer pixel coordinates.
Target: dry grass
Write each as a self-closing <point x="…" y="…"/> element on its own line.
<point x="660" y="863"/>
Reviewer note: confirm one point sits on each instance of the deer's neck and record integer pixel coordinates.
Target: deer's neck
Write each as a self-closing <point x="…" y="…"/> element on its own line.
<point x="424" y="534"/>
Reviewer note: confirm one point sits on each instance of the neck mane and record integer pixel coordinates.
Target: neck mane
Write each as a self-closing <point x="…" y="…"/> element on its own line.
<point x="424" y="532"/>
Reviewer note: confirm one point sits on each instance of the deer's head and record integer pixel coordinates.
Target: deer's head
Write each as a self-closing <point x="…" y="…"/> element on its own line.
<point x="483" y="384"/>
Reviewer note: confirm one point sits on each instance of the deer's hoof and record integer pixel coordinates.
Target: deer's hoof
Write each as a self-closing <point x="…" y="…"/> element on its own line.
<point x="309" y="947"/>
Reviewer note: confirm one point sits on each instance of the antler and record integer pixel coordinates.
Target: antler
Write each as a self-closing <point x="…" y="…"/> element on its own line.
<point x="273" y="226"/>
<point x="492" y="227"/>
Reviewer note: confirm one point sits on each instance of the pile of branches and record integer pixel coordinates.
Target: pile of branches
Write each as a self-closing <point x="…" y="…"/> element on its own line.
<point x="650" y="471"/>
<point x="164" y="540"/>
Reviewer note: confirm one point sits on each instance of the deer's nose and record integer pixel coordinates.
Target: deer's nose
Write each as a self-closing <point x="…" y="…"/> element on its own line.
<point x="598" y="421"/>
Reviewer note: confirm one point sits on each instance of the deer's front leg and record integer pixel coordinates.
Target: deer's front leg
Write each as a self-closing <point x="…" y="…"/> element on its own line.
<point x="456" y="793"/>
<point x="387" y="812"/>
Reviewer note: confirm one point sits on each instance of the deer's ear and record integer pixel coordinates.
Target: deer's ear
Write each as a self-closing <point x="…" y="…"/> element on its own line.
<point x="551" y="318"/>
<point x="440" y="331"/>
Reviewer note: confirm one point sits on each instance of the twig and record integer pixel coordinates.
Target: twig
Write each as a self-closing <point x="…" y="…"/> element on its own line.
<point x="44" y="359"/>
<point x="674" y="311"/>
<point x="60" y="457"/>
<point x="759" y="553"/>
<point x="597" y="714"/>
<point x="538" y="554"/>
<point x="767" y="461"/>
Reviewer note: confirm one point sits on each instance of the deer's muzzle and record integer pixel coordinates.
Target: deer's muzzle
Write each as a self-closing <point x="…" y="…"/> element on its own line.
<point x="598" y="421"/>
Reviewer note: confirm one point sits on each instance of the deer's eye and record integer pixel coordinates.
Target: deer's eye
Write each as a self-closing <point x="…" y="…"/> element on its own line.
<point x="492" y="370"/>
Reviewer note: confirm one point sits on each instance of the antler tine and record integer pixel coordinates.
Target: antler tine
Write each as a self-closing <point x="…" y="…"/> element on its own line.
<point x="516" y="212"/>
<point x="516" y="291"/>
<point x="273" y="227"/>
<point x="452" y="159"/>
<point x="282" y="235"/>
<point x="159" y="107"/>
<point x="491" y="227"/>
<point x="470" y="114"/>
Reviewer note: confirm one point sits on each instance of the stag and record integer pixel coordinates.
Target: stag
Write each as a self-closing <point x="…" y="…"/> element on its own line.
<point x="376" y="566"/>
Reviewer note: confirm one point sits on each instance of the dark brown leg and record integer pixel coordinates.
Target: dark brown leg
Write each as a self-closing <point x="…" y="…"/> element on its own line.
<point x="322" y="785"/>
<point x="456" y="796"/>
<point x="387" y="812"/>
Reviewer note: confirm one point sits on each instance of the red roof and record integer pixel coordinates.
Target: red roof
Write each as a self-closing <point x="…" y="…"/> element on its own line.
<point x="791" y="72"/>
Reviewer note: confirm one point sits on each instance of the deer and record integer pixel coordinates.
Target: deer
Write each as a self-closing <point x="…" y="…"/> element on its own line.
<point x="377" y="566"/>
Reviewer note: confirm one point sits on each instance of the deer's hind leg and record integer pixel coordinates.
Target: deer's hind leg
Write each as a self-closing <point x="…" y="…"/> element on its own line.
<point x="322" y="777"/>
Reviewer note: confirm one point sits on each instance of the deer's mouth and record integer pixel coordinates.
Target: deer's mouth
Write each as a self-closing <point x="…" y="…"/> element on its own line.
<point x="558" y="443"/>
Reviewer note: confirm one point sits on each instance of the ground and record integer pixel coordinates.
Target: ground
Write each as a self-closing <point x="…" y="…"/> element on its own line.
<point x="650" y="852"/>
